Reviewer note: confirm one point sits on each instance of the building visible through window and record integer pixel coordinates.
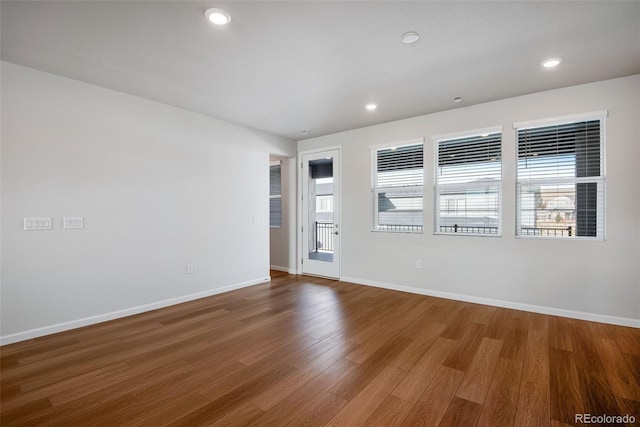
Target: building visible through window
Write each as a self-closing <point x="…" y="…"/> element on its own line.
<point x="397" y="186"/>
<point x="468" y="184"/>
<point x="560" y="180"/>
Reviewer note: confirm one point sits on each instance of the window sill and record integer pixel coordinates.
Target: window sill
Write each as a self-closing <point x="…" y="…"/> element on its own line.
<point x="397" y="231"/>
<point x="467" y="234"/>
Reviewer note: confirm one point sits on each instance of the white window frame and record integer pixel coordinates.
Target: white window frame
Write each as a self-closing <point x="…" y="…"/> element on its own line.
<point x="374" y="182"/>
<point x="437" y="187"/>
<point x="601" y="180"/>
<point x="275" y="196"/>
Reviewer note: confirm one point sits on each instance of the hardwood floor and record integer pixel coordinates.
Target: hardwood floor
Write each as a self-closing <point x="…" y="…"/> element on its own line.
<point x="306" y="351"/>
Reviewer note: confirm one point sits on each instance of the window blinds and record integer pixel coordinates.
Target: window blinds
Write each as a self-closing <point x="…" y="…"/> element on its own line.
<point x="468" y="184"/>
<point x="275" y="195"/>
<point x="560" y="180"/>
<point x="398" y="176"/>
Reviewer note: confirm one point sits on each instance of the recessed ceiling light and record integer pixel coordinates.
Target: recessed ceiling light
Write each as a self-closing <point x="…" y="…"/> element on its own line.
<point x="410" y="37"/>
<point x="371" y="106"/>
<point x="551" y="62"/>
<point x="305" y="132"/>
<point x="457" y="99"/>
<point x="218" y="16"/>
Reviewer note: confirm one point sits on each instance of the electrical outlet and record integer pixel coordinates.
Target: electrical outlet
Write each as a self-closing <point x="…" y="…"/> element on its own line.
<point x="72" y="222"/>
<point x="38" y="224"/>
<point x="418" y="263"/>
<point x="189" y="268"/>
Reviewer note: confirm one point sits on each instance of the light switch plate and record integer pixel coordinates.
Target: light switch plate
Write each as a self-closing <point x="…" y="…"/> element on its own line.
<point x="72" y="222"/>
<point x="33" y="224"/>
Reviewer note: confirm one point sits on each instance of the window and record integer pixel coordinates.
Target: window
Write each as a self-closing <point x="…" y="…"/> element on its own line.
<point x="397" y="180"/>
<point x="468" y="183"/>
<point x="560" y="188"/>
<point x="275" y="194"/>
<point x="324" y="203"/>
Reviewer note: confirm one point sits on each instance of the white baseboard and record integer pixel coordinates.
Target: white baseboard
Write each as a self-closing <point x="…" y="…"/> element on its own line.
<point x="593" y="317"/>
<point x="285" y="269"/>
<point x="65" y="326"/>
<point x="73" y="324"/>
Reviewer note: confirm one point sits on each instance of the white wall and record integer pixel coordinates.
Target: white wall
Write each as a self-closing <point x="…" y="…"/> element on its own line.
<point x="281" y="248"/>
<point x="598" y="279"/>
<point x="158" y="187"/>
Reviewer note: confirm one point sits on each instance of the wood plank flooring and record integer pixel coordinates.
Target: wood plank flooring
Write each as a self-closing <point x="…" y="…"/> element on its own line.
<point x="306" y="351"/>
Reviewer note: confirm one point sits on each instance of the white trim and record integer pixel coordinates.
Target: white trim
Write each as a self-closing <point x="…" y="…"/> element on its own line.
<point x="560" y="181"/>
<point x="552" y="311"/>
<point x="373" y="167"/>
<point x="566" y="239"/>
<point x="421" y="231"/>
<point x="276" y="163"/>
<point x="561" y="120"/>
<point x="86" y="321"/>
<point x="466" y="133"/>
<point x="292" y="219"/>
<point x="398" y="144"/>
<point x="603" y="175"/>
<point x="443" y="233"/>
<point x="298" y="201"/>
<point x="318" y="150"/>
<point x="278" y="268"/>
<point x="478" y="184"/>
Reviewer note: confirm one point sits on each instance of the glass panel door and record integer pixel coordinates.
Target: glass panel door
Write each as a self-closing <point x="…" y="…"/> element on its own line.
<point x="321" y="203"/>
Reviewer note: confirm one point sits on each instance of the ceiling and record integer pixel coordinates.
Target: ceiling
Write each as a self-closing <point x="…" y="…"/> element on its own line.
<point x="290" y="66"/>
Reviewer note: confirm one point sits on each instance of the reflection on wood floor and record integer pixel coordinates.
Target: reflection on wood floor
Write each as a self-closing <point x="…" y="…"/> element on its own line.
<point x="310" y="351"/>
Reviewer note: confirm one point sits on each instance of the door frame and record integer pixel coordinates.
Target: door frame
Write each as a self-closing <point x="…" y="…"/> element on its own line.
<point x="301" y="220"/>
<point x="289" y="218"/>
